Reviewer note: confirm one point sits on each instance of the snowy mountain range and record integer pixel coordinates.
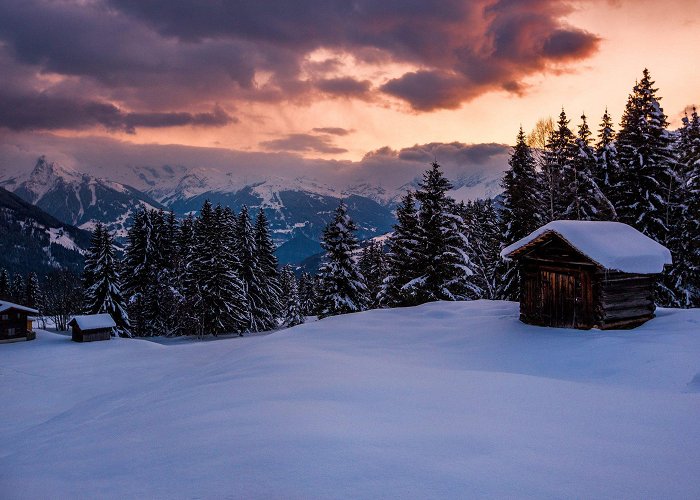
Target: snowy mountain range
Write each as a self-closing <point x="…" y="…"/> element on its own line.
<point x="33" y="240"/>
<point x="298" y="207"/>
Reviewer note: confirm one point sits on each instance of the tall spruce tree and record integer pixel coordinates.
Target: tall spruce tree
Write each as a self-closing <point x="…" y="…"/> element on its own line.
<point x="261" y="317"/>
<point x="33" y="292"/>
<point x="290" y="296"/>
<point x="269" y="274"/>
<point x="307" y="294"/>
<point x="584" y="199"/>
<point x="646" y="161"/>
<point x="607" y="170"/>
<point x="373" y="267"/>
<point x="5" y="293"/>
<point x="342" y="287"/>
<point x="443" y="258"/>
<point x="684" y="276"/>
<point x="17" y="288"/>
<point x="558" y="158"/>
<point x="519" y="216"/>
<point x="402" y="257"/>
<point x="484" y="247"/>
<point x="218" y="302"/>
<point x="101" y="281"/>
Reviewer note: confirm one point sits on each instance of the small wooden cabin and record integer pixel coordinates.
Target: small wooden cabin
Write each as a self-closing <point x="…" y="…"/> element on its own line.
<point x="587" y="274"/>
<point x="14" y="322"/>
<point x="91" y="327"/>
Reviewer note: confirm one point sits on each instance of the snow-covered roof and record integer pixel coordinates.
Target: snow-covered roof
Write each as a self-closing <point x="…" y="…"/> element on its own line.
<point x="5" y="305"/>
<point x="94" y="321"/>
<point x="612" y="245"/>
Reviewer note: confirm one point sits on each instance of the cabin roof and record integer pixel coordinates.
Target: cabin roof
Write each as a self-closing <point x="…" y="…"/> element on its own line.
<point x="93" y="321"/>
<point x="6" y="306"/>
<point x="611" y="245"/>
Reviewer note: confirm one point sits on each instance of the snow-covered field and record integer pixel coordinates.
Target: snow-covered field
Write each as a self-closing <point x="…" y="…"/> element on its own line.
<point x="442" y="400"/>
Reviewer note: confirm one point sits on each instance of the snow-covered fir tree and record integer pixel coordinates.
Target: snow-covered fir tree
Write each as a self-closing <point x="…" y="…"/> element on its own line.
<point x="402" y="257"/>
<point x="290" y="296"/>
<point x="5" y="289"/>
<point x="103" y="292"/>
<point x="216" y="291"/>
<point x="343" y="287"/>
<point x="607" y="170"/>
<point x="584" y="200"/>
<point x="307" y="294"/>
<point x="558" y="157"/>
<point x="481" y="218"/>
<point x="442" y="243"/>
<point x="32" y="295"/>
<point x="646" y="160"/>
<point x="268" y="272"/>
<point x="518" y="215"/>
<point x="17" y="288"/>
<point x="261" y="318"/>
<point x="373" y="267"/>
<point x="683" y="278"/>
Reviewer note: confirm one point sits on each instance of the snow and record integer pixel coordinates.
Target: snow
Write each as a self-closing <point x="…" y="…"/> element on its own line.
<point x="613" y="245"/>
<point x="93" y="321"/>
<point x="5" y="305"/>
<point x="447" y="400"/>
<point x="59" y="236"/>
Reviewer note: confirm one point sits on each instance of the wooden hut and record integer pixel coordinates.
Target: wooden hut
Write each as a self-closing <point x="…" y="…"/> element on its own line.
<point x="14" y="322"/>
<point x="91" y="327"/>
<point x="587" y="274"/>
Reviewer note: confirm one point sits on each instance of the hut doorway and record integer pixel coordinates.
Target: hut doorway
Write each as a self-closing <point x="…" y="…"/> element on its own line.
<point x="562" y="298"/>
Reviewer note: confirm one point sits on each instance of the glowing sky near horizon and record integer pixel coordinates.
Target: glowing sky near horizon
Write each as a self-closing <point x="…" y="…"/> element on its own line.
<point x="309" y="78"/>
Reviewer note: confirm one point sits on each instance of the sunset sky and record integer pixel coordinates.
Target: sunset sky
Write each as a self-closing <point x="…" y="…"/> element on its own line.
<point x="331" y="79"/>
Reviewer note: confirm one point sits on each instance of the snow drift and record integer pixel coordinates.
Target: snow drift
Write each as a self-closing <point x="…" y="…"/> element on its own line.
<point x="442" y="400"/>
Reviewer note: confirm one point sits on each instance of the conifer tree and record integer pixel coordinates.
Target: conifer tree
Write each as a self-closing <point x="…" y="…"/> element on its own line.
<point x="5" y="293"/>
<point x="645" y="156"/>
<point x="518" y="216"/>
<point x="443" y="258"/>
<point x="607" y="171"/>
<point x="484" y="247"/>
<point x="33" y="292"/>
<point x="17" y="289"/>
<point x="292" y="311"/>
<point x="373" y="267"/>
<point x="218" y="301"/>
<point x="307" y="294"/>
<point x="342" y="285"/>
<point x="101" y="281"/>
<point x="558" y="157"/>
<point x="402" y="257"/>
<point x="261" y="318"/>
<point x="584" y="199"/>
<point x="684" y="276"/>
<point x="269" y="275"/>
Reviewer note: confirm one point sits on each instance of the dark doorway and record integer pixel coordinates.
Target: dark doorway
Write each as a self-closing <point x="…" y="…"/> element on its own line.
<point x="562" y="298"/>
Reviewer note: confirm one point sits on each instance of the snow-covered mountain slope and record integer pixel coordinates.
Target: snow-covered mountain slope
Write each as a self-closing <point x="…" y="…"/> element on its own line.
<point x="77" y="198"/>
<point x="33" y="240"/>
<point x="445" y="400"/>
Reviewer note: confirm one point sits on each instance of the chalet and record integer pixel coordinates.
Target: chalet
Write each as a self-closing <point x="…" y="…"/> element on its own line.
<point x="91" y="327"/>
<point x="587" y="274"/>
<point x="14" y="322"/>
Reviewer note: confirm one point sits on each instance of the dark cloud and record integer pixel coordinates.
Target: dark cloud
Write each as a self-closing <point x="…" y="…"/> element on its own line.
<point x="332" y="130"/>
<point x="43" y="111"/>
<point x="155" y="56"/>
<point x="303" y="143"/>
<point x="344" y="87"/>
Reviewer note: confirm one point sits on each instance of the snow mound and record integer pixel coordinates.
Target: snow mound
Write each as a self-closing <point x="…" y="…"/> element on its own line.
<point x="613" y="245"/>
